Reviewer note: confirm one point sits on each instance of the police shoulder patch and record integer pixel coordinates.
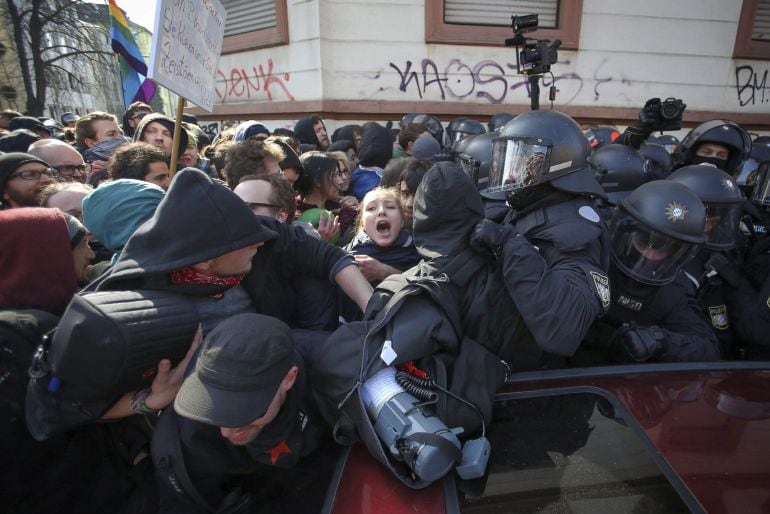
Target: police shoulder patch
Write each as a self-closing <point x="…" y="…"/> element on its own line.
<point x="768" y="302"/>
<point x="718" y="314"/>
<point x="589" y="213"/>
<point x="602" y="285"/>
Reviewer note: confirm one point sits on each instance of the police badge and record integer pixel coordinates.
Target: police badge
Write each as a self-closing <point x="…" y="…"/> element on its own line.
<point x="718" y="315"/>
<point x="602" y="285"/>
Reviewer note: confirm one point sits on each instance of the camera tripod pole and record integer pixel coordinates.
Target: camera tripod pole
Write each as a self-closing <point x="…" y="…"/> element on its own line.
<point x="534" y="92"/>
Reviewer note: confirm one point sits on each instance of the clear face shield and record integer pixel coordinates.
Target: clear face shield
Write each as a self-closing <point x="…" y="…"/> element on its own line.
<point x="722" y="225"/>
<point x="518" y="163"/>
<point x="644" y="254"/>
<point x="470" y="166"/>
<point x="760" y="195"/>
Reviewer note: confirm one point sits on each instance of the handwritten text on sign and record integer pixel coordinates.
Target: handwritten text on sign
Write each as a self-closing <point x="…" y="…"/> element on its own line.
<point x="186" y="45"/>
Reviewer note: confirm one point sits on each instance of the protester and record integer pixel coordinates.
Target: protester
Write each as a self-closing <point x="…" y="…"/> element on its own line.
<point x="22" y="179"/>
<point x="66" y="196"/>
<point x="252" y="157"/>
<point x="140" y="161"/>
<point x="375" y="152"/>
<point x="311" y="130"/>
<point x="68" y="162"/>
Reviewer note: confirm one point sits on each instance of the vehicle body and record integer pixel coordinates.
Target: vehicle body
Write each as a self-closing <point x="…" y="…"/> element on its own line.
<point x="684" y="437"/>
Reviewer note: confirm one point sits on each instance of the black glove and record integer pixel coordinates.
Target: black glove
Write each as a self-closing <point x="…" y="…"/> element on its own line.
<point x="489" y="236"/>
<point x="447" y="154"/>
<point x="722" y="266"/>
<point x="638" y="344"/>
<point x="649" y="116"/>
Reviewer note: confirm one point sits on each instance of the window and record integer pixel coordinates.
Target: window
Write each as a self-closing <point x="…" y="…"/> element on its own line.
<point x="753" y="39"/>
<point x="478" y="22"/>
<point x="254" y="24"/>
<point x="571" y="453"/>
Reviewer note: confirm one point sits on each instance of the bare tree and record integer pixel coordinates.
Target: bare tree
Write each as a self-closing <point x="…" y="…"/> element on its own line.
<point x="54" y="44"/>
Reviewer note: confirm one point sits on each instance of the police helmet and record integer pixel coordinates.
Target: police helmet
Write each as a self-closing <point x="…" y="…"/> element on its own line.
<point x="407" y="119"/>
<point x="721" y="197"/>
<point x="498" y="121"/>
<point x="657" y="229"/>
<point x="450" y="130"/>
<point x="760" y="194"/>
<point x="667" y="141"/>
<point x="433" y="124"/>
<point x="721" y="132"/>
<point x="69" y="117"/>
<point x="475" y="156"/>
<point x="538" y="147"/>
<point x="619" y="169"/>
<point x="601" y="136"/>
<point x="658" y="160"/>
<point x="759" y="154"/>
<point x="465" y="128"/>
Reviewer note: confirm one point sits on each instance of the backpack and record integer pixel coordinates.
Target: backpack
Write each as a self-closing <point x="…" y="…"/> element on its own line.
<point x="105" y="345"/>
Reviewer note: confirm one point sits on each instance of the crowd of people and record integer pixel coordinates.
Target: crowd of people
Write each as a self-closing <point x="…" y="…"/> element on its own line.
<point x="171" y="342"/>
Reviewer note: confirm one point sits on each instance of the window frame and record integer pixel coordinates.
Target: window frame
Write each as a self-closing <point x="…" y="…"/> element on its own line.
<point x="439" y="32"/>
<point x="264" y="38"/>
<point x="745" y="47"/>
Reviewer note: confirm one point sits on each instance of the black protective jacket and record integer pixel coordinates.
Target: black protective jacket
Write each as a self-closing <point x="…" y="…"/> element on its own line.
<point x="672" y="307"/>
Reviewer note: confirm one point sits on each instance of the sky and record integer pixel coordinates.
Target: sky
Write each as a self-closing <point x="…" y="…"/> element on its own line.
<point x="141" y="12"/>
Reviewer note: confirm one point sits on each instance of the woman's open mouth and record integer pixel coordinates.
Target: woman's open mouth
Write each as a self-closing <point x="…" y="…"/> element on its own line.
<point x="383" y="227"/>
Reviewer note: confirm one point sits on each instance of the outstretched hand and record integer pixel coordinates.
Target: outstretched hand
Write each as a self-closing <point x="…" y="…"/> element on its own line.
<point x="328" y="225"/>
<point x="168" y="381"/>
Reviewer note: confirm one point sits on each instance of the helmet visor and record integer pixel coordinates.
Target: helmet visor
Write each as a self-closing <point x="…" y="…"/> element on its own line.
<point x="518" y="163"/>
<point x="470" y="166"/>
<point x="722" y="225"/>
<point x="647" y="255"/>
<point x="761" y="192"/>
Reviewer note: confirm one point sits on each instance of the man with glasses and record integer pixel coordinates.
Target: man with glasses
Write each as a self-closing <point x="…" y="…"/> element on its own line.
<point x="134" y="114"/>
<point x="22" y="178"/>
<point x="68" y="163"/>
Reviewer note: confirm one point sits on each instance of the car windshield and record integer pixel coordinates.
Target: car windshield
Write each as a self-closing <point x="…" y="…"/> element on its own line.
<point x="568" y="453"/>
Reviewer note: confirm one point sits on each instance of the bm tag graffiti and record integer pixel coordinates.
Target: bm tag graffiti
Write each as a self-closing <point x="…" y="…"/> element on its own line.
<point x="752" y="86"/>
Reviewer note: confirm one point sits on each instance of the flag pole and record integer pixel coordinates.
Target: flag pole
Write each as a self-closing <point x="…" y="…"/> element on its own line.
<point x="177" y="134"/>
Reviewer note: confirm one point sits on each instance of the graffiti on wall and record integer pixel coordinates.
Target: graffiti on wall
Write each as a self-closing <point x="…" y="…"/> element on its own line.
<point x="752" y="86"/>
<point x="211" y="129"/>
<point x="488" y="79"/>
<point x="259" y="82"/>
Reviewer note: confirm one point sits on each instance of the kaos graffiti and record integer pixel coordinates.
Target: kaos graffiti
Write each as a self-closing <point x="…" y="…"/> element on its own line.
<point x="487" y="79"/>
<point x="257" y="83"/>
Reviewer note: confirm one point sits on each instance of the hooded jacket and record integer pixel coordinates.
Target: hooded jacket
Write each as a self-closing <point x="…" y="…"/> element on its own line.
<point x="200" y="219"/>
<point x="375" y="152"/>
<point x="306" y="132"/>
<point x="166" y="122"/>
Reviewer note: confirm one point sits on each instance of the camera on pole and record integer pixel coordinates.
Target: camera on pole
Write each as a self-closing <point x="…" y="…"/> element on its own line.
<point x="534" y="57"/>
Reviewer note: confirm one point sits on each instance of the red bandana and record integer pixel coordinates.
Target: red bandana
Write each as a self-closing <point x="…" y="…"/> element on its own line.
<point x="192" y="276"/>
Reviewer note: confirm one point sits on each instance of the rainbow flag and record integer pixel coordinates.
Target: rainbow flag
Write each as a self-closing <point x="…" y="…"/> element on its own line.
<point x="133" y="70"/>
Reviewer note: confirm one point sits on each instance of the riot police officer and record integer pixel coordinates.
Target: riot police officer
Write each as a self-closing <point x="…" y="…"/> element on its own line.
<point x="460" y="128"/>
<point x="654" y="315"/>
<point x="722" y="143"/>
<point x="619" y="169"/>
<point x="550" y="246"/>
<point x="716" y="263"/>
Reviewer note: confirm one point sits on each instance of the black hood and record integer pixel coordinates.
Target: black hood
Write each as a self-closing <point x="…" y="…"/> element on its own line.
<point x="376" y="147"/>
<point x="305" y="131"/>
<point x="197" y="220"/>
<point x="447" y="207"/>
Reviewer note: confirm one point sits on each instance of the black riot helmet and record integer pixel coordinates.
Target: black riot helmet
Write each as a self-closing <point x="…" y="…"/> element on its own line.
<point x="667" y="141"/>
<point x="601" y="136"/>
<point x="450" y="130"/>
<point x="407" y="119"/>
<point x="619" y="169"/>
<point x="658" y="160"/>
<point x="759" y="154"/>
<point x="498" y="121"/>
<point x="655" y="230"/>
<point x="463" y="129"/>
<point x="721" y="197"/>
<point x="760" y="194"/>
<point x="721" y="132"/>
<point x="433" y="124"/>
<point x="475" y="156"/>
<point x="540" y="147"/>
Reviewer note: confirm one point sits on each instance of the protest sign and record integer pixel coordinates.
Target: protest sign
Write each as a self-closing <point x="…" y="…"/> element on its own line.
<point x="186" y="46"/>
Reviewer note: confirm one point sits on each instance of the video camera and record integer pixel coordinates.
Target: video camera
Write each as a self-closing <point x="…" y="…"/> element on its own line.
<point x="537" y="55"/>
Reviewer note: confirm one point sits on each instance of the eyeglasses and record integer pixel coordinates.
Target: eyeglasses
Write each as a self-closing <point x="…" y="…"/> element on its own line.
<point x="340" y="172"/>
<point x="253" y="205"/>
<point x="34" y="174"/>
<point x="139" y="116"/>
<point x="69" y="170"/>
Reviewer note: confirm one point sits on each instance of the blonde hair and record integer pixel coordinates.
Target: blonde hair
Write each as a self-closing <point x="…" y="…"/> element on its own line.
<point x="388" y="191"/>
